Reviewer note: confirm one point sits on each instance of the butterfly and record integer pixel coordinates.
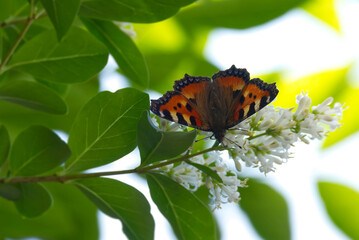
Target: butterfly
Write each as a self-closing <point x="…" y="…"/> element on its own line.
<point x="214" y="105"/>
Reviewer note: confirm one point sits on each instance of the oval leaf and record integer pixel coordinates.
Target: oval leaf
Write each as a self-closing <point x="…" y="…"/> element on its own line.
<point x="121" y="201"/>
<point x="33" y="95"/>
<point x="267" y="210"/>
<point x="106" y="128"/>
<point x="62" y="13"/>
<point x="4" y="144"/>
<point x="139" y="11"/>
<point x="341" y="203"/>
<point x="122" y="48"/>
<point x="35" y="200"/>
<point x="37" y="150"/>
<point x="10" y="191"/>
<point x="188" y="216"/>
<point x="213" y="174"/>
<point x="236" y="13"/>
<point x="79" y="53"/>
<point x="155" y="145"/>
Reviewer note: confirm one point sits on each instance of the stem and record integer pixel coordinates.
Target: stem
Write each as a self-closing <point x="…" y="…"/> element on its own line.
<point x="30" y="19"/>
<point x="259" y="135"/>
<point x="20" y="20"/>
<point x="62" y="179"/>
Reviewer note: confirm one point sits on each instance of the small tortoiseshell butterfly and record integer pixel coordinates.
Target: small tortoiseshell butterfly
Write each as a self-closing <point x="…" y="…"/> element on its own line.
<point x="214" y="105"/>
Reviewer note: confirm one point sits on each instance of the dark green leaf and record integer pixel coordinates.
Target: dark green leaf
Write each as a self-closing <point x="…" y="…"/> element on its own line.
<point x="342" y="206"/>
<point x="155" y="145"/>
<point x="32" y="95"/>
<point x="35" y="200"/>
<point x="4" y="144"/>
<point x="267" y="210"/>
<point x="11" y="8"/>
<point x="72" y="216"/>
<point x="10" y="191"/>
<point x="236" y="13"/>
<point x="106" y="128"/>
<point x="122" y="48"/>
<point x="37" y="150"/>
<point x="121" y="201"/>
<point x="79" y="53"/>
<point x="213" y="174"/>
<point x="62" y="13"/>
<point x="140" y="11"/>
<point x="188" y="216"/>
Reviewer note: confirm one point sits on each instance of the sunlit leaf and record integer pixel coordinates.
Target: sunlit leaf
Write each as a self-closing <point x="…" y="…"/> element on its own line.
<point x="45" y="58"/>
<point x="188" y="216"/>
<point x="62" y="13"/>
<point x="106" y="128"/>
<point x="140" y="11"/>
<point x="11" y="8"/>
<point x="71" y="216"/>
<point x="37" y="150"/>
<point x="156" y="145"/>
<point x="121" y="201"/>
<point x="325" y="10"/>
<point x="122" y="48"/>
<point x="35" y="200"/>
<point x="267" y="210"/>
<point x="342" y="206"/>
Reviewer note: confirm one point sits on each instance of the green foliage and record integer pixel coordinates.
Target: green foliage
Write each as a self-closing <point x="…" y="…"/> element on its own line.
<point x="267" y="210"/>
<point x="51" y="56"/>
<point x="188" y="216"/>
<point x="156" y="145"/>
<point x="35" y="151"/>
<point x="121" y="201"/>
<point x="106" y="128"/>
<point x="342" y="207"/>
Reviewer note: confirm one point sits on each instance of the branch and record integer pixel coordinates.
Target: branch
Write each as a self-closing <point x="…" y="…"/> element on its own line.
<point x="64" y="178"/>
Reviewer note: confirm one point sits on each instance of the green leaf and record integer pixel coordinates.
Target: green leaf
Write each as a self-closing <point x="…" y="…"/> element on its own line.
<point x="121" y="201"/>
<point x="188" y="216"/>
<point x="10" y="191"/>
<point x="35" y="200"/>
<point x="37" y="150"/>
<point x="342" y="207"/>
<point x="140" y="11"/>
<point x="32" y="95"/>
<point x="267" y="210"/>
<point x="155" y="145"/>
<point x="106" y="128"/>
<point x="236" y="13"/>
<point x="45" y="58"/>
<point x="62" y="14"/>
<point x="72" y="216"/>
<point x="4" y="144"/>
<point x="9" y="9"/>
<point x="122" y="48"/>
<point x="213" y="174"/>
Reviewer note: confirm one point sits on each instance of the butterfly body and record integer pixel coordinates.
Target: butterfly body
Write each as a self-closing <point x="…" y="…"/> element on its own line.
<point x="214" y="105"/>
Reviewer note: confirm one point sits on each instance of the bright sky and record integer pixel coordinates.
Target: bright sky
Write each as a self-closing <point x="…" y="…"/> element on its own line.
<point x="301" y="44"/>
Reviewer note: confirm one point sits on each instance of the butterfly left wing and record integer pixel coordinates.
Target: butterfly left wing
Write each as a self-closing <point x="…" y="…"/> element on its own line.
<point x="253" y="97"/>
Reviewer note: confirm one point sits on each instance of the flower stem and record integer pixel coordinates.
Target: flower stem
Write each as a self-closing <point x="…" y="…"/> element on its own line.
<point x="64" y="178"/>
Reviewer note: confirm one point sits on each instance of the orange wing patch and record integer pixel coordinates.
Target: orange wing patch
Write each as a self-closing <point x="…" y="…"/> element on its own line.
<point x="190" y="86"/>
<point x="234" y="78"/>
<point x="175" y="107"/>
<point x="255" y="96"/>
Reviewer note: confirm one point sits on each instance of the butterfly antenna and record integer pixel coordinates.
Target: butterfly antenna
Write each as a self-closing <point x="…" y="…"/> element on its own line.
<point x="229" y="140"/>
<point x="203" y="138"/>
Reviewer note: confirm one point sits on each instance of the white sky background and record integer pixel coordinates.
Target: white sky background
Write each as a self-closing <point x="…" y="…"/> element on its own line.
<point x="300" y="44"/>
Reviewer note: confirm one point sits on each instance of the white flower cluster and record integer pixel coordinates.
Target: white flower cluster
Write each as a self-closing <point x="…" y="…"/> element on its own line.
<point x="272" y="131"/>
<point x="192" y="178"/>
<point x="260" y="141"/>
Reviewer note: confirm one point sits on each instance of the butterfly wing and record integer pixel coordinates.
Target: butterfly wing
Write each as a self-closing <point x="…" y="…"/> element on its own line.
<point x="253" y="97"/>
<point x="181" y="105"/>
